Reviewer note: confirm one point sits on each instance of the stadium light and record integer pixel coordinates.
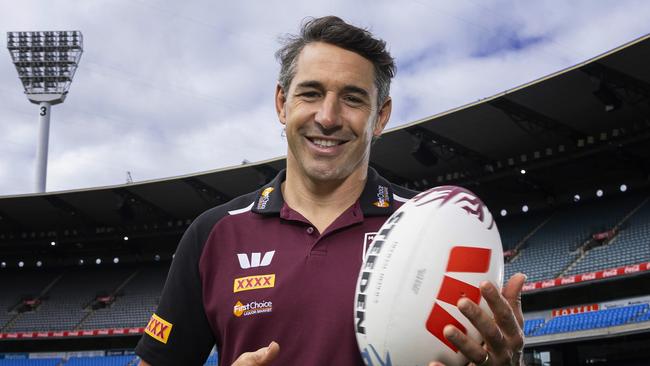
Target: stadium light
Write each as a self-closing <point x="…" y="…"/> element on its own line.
<point x="81" y="262"/>
<point x="21" y="264"/>
<point x="523" y="171"/>
<point x="504" y="212"/>
<point x="126" y="238"/>
<point x="599" y="193"/>
<point x="98" y="261"/>
<point x="3" y="265"/>
<point x="156" y="258"/>
<point x="52" y="243"/>
<point x="39" y="263"/>
<point x="576" y="198"/>
<point x="623" y="187"/>
<point x="46" y="63"/>
<point x="116" y="260"/>
<point x="524" y="208"/>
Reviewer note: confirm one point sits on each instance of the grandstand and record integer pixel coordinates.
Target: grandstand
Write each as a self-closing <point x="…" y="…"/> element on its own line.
<point x="104" y="252"/>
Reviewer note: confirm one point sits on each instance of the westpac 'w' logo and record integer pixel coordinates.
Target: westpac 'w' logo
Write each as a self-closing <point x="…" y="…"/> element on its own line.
<point x="256" y="259"/>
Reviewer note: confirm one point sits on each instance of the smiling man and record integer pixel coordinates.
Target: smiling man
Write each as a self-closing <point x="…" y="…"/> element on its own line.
<point x="279" y="266"/>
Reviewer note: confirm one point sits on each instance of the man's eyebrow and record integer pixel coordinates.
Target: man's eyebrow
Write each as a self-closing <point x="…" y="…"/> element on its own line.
<point x="310" y="84"/>
<point x="346" y="89"/>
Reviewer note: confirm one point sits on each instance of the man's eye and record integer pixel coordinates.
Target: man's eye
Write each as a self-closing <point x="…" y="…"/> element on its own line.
<point x="309" y="95"/>
<point x="352" y="99"/>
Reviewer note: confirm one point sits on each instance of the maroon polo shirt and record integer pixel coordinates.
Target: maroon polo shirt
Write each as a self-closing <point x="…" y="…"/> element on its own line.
<point x="254" y="271"/>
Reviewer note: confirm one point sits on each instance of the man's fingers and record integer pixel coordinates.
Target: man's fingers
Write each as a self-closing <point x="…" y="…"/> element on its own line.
<point x="484" y="323"/>
<point x="512" y="293"/>
<point x="469" y="347"/>
<point x="503" y="313"/>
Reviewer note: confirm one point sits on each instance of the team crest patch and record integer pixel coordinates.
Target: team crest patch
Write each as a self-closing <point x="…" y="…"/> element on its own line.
<point x="383" y="198"/>
<point x="253" y="282"/>
<point x="159" y="328"/>
<point x="264" y="198"/>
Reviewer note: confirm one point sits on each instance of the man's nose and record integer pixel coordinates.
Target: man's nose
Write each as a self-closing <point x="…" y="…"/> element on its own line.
<point x="329" y="114"/>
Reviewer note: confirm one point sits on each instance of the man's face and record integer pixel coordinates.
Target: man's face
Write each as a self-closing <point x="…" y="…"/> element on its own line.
<point x="330" y="112"/>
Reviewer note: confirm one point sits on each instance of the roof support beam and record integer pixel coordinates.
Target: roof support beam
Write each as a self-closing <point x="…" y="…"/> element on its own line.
<point x="535" y="123"/>
<point x="207" y="193"/>
<point x="129" y="201"/>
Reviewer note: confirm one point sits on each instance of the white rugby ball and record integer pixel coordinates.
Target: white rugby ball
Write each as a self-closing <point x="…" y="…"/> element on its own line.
<point x="437" y="247"/>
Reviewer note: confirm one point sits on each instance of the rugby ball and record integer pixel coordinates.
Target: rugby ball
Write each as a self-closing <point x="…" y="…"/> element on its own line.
<point x="436" y="248"/>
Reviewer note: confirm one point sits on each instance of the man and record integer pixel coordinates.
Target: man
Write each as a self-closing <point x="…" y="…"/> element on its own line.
<point x="278" y="266"/>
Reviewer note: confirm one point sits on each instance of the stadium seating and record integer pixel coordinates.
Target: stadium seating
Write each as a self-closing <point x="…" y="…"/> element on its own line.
<point x="589" y="320"/>
<point x="12" y="292"/>
<point x="514" y="229"/>
<point x="31" y="362"/>
<point x="128" y="360"/>
<point x="631" y="246"/>
<point x="134" y="304"/>
<point x="66" y="303"/>
<point x="554" y="246"/>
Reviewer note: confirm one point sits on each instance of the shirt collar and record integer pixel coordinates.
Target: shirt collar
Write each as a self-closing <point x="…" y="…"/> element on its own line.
<point x="375" y="200"/>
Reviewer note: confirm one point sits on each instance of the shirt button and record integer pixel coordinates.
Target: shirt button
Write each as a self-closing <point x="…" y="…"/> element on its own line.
<point x="310" y="230"/>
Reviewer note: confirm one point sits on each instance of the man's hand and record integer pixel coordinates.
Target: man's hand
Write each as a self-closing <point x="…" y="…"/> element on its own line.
<point x="503" y="335"/>
<point x="261" y="357"/>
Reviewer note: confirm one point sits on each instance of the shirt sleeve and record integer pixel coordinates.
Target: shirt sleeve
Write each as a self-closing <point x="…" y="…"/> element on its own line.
<point x="178" y="333"/>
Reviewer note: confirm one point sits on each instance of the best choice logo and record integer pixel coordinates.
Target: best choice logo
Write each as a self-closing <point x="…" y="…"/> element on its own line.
<point x="252" y="308"/>
<point x="159" y="328"/>
<point x="253" y="282"/>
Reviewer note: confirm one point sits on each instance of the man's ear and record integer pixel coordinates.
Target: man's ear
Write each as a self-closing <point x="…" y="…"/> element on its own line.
<point x="382" y="117"/>
<point x="280" y="102"/>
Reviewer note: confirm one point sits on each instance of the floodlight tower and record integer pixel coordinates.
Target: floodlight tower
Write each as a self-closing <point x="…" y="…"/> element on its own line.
<point x="46" y="63"/>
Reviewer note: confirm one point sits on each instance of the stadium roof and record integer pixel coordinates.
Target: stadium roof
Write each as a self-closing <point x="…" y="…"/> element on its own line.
<point x="579" y="128"/>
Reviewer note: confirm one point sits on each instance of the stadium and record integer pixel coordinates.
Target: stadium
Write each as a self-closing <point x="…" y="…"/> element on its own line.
<point x="563" y="162"/>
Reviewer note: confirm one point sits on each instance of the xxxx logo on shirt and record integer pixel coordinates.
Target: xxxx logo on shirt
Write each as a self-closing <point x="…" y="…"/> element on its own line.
<point x="159" y="328"/>
<point x="253" y="282"/>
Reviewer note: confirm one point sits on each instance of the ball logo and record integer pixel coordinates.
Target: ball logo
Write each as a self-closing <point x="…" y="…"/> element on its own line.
<point x="461" y="259"/>
<point x="458" y="196"/>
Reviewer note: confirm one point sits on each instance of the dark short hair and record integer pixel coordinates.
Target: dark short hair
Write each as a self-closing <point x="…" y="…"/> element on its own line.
<point x="333" y="30"/>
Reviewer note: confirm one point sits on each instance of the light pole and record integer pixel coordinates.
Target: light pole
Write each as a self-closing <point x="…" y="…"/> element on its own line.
<point x="46" y="63"/>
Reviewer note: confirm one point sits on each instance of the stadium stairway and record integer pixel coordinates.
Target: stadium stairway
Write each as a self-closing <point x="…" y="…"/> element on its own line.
<point x="42" y="292"/>
<point x="555" y="246"/>
<point x="113" y="294"/>
<point x="581" y="265"/>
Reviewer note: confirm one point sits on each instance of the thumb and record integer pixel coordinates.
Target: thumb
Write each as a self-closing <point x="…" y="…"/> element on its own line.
<point x="266" y="354"/>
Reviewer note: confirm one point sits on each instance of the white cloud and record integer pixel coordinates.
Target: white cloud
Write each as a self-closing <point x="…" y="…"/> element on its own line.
<point x="167" y="88"/>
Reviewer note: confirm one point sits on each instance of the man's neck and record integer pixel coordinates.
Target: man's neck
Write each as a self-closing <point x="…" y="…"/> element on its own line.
<point x="321" y="202"/>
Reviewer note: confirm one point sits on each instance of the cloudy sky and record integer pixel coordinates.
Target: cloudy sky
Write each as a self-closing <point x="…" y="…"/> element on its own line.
<point x="166" y="88"/>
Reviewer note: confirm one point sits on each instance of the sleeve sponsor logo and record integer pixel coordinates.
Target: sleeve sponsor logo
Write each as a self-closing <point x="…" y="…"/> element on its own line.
<point x="252" y="308"/>
<point x="159" y="328"/>
<point x="253" y="282"/>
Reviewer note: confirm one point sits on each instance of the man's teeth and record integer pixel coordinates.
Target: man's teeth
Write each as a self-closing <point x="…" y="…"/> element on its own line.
<point x="325" y="143"/>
